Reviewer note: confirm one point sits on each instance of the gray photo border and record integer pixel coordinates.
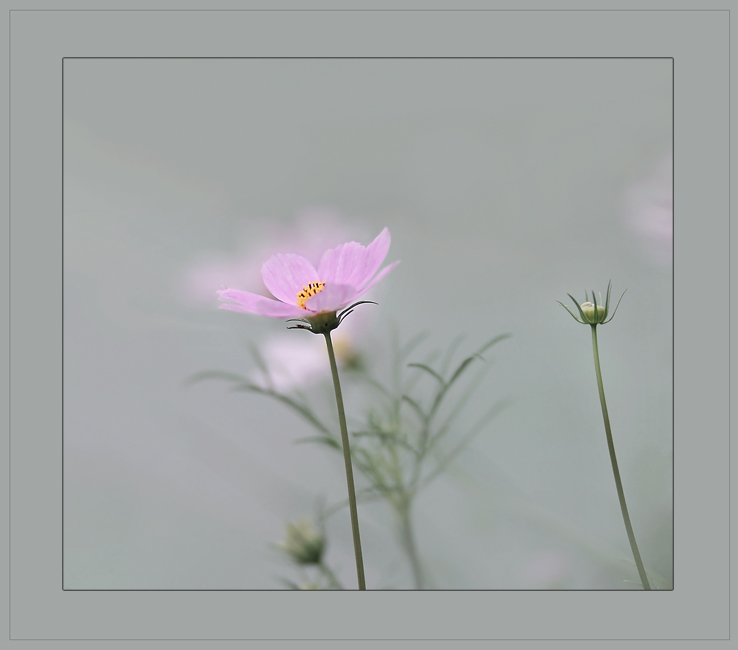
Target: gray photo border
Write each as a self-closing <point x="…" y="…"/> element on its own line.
<point x="698" y="607"/>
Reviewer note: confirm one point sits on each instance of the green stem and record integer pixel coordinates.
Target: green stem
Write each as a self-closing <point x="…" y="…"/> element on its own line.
<point x="408" y="538"/>
<point x="615" y="470"/>
<point x="326" y="571"/>
<point x="347" y="460"/>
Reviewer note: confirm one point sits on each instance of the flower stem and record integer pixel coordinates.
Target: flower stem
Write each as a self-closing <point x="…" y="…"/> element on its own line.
<point x="411" y="548"/>
<point x="615" y="470"/>
<point x="326" y="571"/>
<point x="347" y="459"/>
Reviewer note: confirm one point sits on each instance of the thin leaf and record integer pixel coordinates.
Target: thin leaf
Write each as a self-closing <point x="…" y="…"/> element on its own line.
<point x="450" y="352"/>
<point x="361" y="302"/>
<point x="415" y="377"/>
<point x="429" y="370"/>
<point x="581" y="313"/>
<point x="474" y="431"/>
<point x="569" y="310"/>
<point x="213" y="374"/>
<point x="385" y="437"/>
<point x="330" y="442"/>
<point x="285" y="399"/>
<point x="442" y="393"/>
<point x="415" y="406"/>
<point x="412" y="344"/>
<point x="368" y="466"/>
<point x="364" y="495"/>
<point x="616" y="308"/>
<point x="344" y="314"/>
<point x="425" y="442"/>
<point x="477" y="355"/>
<point x="492" y="341"/>
<point x="459" y="406"/>
<point x="373" y="382"/>
<point x="260" y="363"/>
<point x="462" y="366"/>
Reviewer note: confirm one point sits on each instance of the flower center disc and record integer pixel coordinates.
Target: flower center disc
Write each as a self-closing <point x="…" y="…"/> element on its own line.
<point x="308" y="292"/>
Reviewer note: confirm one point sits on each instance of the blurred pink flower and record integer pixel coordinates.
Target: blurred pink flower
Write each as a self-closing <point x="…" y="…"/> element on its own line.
<point x="650" y="214"/>
<point x="308" y="235"/>
<point x="344" y="274"/>
<point x="547" y="570"/>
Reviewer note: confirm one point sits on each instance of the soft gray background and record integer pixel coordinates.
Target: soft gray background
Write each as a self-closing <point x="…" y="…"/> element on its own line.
<point x="505" y="184"/>
<point x="696" y="609"/>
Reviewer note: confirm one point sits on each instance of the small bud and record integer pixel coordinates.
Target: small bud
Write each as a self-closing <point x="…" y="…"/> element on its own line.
<point x="304" y="543"/>
<point x="590" y="312"/>
<point x="589" y="309"/>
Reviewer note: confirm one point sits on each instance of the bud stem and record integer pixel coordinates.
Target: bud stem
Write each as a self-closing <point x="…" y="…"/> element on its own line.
<point x="347" y="459"/>
<point x="614" y="461"/>
<point x="332" y="580"/>
<point x="408" y="540"/>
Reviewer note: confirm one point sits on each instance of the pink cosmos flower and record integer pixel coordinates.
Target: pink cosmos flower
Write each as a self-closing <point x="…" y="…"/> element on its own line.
<point x="344" y="274"/>
<point x="308" y="233"/>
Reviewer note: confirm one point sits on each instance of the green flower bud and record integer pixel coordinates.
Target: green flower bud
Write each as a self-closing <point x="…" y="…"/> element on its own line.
<point x="304" y="543"/>
<point x="593" y="313"/>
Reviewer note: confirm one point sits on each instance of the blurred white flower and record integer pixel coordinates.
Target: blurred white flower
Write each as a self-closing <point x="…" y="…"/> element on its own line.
<point x="297" y="360"/>
<point x="649" y="212"/>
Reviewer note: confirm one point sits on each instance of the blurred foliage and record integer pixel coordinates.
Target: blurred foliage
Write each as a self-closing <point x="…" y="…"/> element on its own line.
<point x="407" y="437"/>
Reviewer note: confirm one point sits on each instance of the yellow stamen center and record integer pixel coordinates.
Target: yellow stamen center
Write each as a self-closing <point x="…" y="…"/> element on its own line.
<point x="308" y="292"/>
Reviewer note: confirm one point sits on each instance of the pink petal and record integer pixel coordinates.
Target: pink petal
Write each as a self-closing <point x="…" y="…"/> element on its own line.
<point x="338" y="264"/>
<point x="377" y="278"/>
<point x="252" y="303"/>
<point x="332" y="298"/>
<point x="375" y="254"/>
<point x="286" y="274"/>
<point x="353" y="263"/>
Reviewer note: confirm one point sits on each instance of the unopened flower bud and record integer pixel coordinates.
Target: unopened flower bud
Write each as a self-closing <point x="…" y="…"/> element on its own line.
<point x="593" y="313"/>
<point x="590" y="313"/>
<point x="304" y="543"/>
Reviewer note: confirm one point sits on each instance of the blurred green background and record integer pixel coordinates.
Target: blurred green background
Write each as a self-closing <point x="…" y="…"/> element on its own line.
<point x="506" y="184"/>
